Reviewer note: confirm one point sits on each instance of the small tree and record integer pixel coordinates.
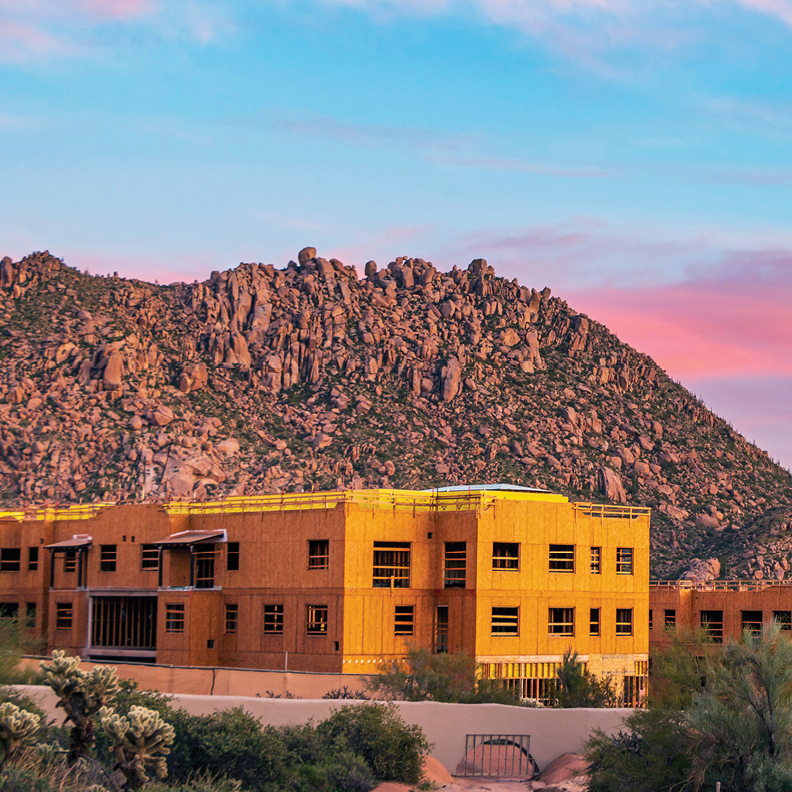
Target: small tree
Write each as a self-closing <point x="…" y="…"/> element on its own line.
<point x="140" y="740"/>
<point x="740" y="724"/>
<point x="17" y="727"/>
<point x="425" y="676"/>
<point x="578" y="687"/>
<point x="81" y="694"/>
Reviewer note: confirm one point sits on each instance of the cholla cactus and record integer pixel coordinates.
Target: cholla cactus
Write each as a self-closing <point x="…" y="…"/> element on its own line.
<point x="82" y="694"/>
<point x="17" y="726"/>
<point x="140" y="739"/>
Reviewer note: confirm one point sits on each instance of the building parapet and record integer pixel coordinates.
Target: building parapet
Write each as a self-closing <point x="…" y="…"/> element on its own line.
<point x="719" y="585"/>
<point x="391" y="499"/>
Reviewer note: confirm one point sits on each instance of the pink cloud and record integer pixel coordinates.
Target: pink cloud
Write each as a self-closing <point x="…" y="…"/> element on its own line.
<point x="116" y="9"/>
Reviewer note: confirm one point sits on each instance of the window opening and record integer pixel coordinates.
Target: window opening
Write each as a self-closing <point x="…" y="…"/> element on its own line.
<point x="124" y="622"/>
<point x="9" y="611"/>
<point x="273" y="619"/>
<point x="505" y="621"/>
<point x="561" y="621"/>
<point x="670" y="618"/>
<point x="596" y="560"/>
<point x="404" y="619"/>
<point x="712" y="624"/>
<point x="107" y="558"/>
<point x="752" y="620"/>
<point x="505" y="556"/>
<point x="316" y="620"/>
<point x="30" y="614"/>
<point x="232" y="557"/>
<point x="204" y="568"/>
<point x="33" y="556"/>
<point x="149" y="556"/>
<point x="594" y="621"/>
<point x="624" y="621"/>
<point x="318" y="554"/>
<point x="10" y="559"/>
<point x="783" y="619"/>
<point x="174" y="618"/>
<point x="624" y="560"/>
<point x="63" y="615"/>
<point x="454" y="569"/>
<point x="70" y="561"/>
<point x="231" y="617"/>
<point x="562" y="558"/>
<point x="391" y="565"/>
<point x="441" y="629"/>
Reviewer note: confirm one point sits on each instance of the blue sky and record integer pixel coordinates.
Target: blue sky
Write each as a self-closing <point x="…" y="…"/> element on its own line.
<point x="635" y="156"/>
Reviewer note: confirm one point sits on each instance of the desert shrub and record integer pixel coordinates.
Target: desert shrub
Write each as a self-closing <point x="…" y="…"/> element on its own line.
<point x="426" y="676"/>
<point x="17" y="728"/>
<point x="376" y="732"/>
<point x="225" y="743"/>
<point x="714" y="716"/>
<point x="578" y="687"/>
<point x="14" y="642"/>
<point x="346" y="693"/>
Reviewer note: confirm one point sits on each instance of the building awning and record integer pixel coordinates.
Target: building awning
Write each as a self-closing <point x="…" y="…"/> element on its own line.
<point x="70" y="544"/>
<point x="188" y="538"/>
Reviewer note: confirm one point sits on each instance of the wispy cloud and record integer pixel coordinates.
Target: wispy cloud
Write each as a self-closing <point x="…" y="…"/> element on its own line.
<point x="523" y="166"/>
<point x="369" y="135"/>
<point x="32" y="30"/>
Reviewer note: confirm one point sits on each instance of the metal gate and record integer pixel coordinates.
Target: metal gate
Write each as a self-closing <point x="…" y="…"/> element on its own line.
<point x="497" y="755"/>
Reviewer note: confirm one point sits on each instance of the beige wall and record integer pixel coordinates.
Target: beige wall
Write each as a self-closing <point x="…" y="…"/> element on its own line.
<point x="553" y="731"/>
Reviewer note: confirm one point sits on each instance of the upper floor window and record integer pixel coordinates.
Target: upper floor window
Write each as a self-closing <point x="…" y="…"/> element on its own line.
<point x="231" y="617"/>
<point x="596" y="560"/>
<point x="107" y="558"/>
<point x="9" y="610"/>
<point x="594" y="621"/>
<point x="670" y="617"/>
<point x="70" y="561"/>
<point x="10" y="559"/>
<point x="316" y="620"/>
<point x="783" y="619"/>
<point x="624" y="560"/>
<point x="391" y="565"/>
<point x="404" y="620"/>
<point x="174" y="617"/>
<point x="204" y="568"/>
<point x="149" y="556"/>
<point x="33" y="558"/>
<point x="505" y="621"/>
<point x="64" y="612"/>
<point x="232" y="557"/>
<point x="561" y="621"/>
<point x="273" y="619"/>
<point x="506" y="556"/>
<point x="562" y="558"/>
<point x="624" y="621"/>
<point x="752" y="620"/>
<point x="318" y="554"/>
<point x="454" y="568"/>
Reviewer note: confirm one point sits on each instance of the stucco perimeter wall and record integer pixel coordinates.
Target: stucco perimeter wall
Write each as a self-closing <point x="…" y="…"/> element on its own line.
<point x="553" y="731"/>
<point x="227" y="681"/>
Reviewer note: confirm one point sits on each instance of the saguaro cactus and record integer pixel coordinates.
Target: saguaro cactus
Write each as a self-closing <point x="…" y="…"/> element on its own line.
<point x="81" y="694"/>
<point x="17" y="726"/>
<point x="140" y="739"/>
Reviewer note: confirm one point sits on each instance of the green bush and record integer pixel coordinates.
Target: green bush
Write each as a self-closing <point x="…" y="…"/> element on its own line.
<point x="426" y="676"/>
<point x="715" y="715"/>
<point x="578" y="687"/>
<point x="228" y="742"/>
<point x="376" y="732"/>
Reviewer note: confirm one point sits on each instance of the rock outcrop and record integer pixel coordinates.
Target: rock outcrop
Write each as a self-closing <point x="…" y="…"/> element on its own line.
<point x="261" y="380"/>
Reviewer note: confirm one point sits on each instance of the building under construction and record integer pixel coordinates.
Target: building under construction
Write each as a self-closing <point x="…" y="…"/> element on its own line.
<point x="339" y="581"/>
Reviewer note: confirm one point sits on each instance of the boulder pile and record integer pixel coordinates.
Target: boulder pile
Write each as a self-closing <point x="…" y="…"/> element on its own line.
<point x="312" y="377"/>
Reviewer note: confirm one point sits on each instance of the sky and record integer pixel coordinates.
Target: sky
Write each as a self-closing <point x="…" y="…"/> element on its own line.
<point x="633" y="155"/>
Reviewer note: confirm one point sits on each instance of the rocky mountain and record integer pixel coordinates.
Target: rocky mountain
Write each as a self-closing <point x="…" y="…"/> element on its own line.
<point x="263" y="380"/>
